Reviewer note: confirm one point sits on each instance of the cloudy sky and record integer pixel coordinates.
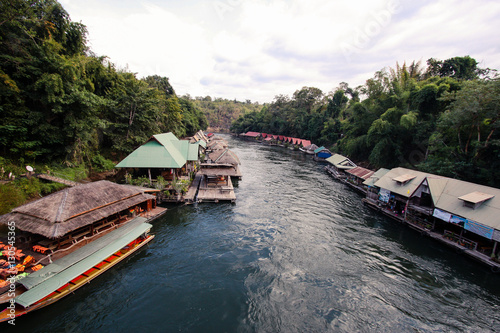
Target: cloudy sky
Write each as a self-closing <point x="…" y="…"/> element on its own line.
<point x="257" y="49"/>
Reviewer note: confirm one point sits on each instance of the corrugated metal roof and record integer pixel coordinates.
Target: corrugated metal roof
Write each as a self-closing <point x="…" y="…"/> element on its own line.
<point x="487" y="213"/>
<point x="340" y="162"/>
<point x="448" y="195"/>
<point x="188" y="150"/>
<point x="58" y="280"/>
<point x="164" y="137"/>
<point x="436" y="186"/>
<point x="59" y="265"/>
<point x="361" y="172"/>
<point x="388" y="181"/>
<point x="317" y="150"/>
<point x="375" y="177"/>
<point x="306" y="143"/>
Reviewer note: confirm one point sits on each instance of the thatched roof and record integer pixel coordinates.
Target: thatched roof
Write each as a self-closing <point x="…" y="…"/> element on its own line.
<point x="62" y="212"/>
<point x="217" y="145"/>
<point x="220" y="170"/>
<point x="224" y="156"/>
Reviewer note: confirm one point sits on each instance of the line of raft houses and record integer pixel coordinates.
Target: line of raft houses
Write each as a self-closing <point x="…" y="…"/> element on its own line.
<point x="61" y="242"/>
<point x="462" y="215"/>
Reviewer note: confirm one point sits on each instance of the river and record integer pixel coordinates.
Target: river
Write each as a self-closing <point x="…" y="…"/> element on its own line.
<point x="297" y="252"/>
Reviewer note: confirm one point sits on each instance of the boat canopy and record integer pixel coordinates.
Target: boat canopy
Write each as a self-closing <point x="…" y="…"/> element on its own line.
<point x="54" y="276"/>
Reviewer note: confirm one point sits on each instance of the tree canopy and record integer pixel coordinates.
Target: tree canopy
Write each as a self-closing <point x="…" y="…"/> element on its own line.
<point x="59" y="101"/>
<point x="442" y="119"/>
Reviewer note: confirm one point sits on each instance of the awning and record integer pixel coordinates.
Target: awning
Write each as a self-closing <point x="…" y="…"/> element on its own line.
<point x="61" y="272"/>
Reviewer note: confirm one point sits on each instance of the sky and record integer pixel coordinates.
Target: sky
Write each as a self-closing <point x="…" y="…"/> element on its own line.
<point x="257" y="49"/>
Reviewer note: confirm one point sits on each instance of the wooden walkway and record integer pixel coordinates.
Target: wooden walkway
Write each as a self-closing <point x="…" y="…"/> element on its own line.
<point x="56" y="179"/>
<point x="190" y="196"/>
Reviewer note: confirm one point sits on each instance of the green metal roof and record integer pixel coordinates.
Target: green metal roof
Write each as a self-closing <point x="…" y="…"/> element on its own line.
<point x="165" y="137"/>
<point x="59" y="279"/>
<point x="319" y="149"/>
<point x="154" y="154"/>
<point x="69" y="260"/>
<point x="188" y="150"/>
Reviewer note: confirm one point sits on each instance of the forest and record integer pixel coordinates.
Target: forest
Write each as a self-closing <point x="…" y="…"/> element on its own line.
<point x="442" y="119"/>
<point x="65" y="109"/>
<point x="221" y="112"/>
<point x="61" y="102"/>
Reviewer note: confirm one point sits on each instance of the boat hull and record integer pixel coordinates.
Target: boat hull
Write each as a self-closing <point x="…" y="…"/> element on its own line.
<point x="11" y="313"/>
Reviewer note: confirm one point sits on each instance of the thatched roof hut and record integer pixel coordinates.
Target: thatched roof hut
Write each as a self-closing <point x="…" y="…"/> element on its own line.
<point x="224" y="156"/>
<point x="217" y="145"/>
<point x="67" y="210"/>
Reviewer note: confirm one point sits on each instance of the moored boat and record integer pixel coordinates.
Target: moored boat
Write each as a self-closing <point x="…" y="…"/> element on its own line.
<point x="64" y="276"/>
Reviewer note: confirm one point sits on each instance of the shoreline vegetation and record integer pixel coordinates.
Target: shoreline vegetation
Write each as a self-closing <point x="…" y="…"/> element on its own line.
<point x="68" y="111"/>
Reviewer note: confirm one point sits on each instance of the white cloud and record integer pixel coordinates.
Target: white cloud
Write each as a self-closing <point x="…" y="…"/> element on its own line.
<point x="258" y="49"/>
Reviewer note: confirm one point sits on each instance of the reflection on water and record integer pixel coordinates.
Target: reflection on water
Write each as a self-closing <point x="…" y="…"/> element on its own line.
<point x="297" y="252"/>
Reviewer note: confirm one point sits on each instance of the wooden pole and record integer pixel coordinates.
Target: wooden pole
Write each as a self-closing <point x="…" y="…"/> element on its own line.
<point x="149" y="174"/>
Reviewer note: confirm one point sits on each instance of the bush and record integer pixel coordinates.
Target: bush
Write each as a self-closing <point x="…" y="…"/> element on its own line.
<point x="10" y="198"/>
<point x="100" y="164"/>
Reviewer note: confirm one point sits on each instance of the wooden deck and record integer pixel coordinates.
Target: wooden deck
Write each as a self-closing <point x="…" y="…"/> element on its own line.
<point x="211" y="193"/>
<point x="154" y="213"/>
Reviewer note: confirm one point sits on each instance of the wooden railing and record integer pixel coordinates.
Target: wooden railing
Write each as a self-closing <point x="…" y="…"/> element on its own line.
<point x="467" y="243"/>
<point x="420" y="222"/>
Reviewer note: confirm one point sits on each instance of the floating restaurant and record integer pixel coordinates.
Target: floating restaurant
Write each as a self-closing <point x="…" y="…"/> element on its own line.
<point x="460" y="214"/>
<point x="68" y="238"/>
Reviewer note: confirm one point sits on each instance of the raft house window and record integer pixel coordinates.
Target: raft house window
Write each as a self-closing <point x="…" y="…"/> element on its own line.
<point x="403" y="179"/>
<point x="475" y="199"/>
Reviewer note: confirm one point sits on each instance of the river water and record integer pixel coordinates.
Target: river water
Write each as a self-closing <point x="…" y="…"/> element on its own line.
<point x="297" y="252"/>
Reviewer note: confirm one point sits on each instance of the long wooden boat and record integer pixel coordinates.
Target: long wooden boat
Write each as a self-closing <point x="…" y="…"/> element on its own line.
<point x="63" y="277"/>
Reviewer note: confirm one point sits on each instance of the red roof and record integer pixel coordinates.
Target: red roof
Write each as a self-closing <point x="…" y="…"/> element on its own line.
<point x="361" y="172"/>
<point x="252" y="134"/>
<point x="306" y="143"/>
<point x="268" y="138"/>
<point x="281" y="137"/>
<point x="264" y="135"/>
